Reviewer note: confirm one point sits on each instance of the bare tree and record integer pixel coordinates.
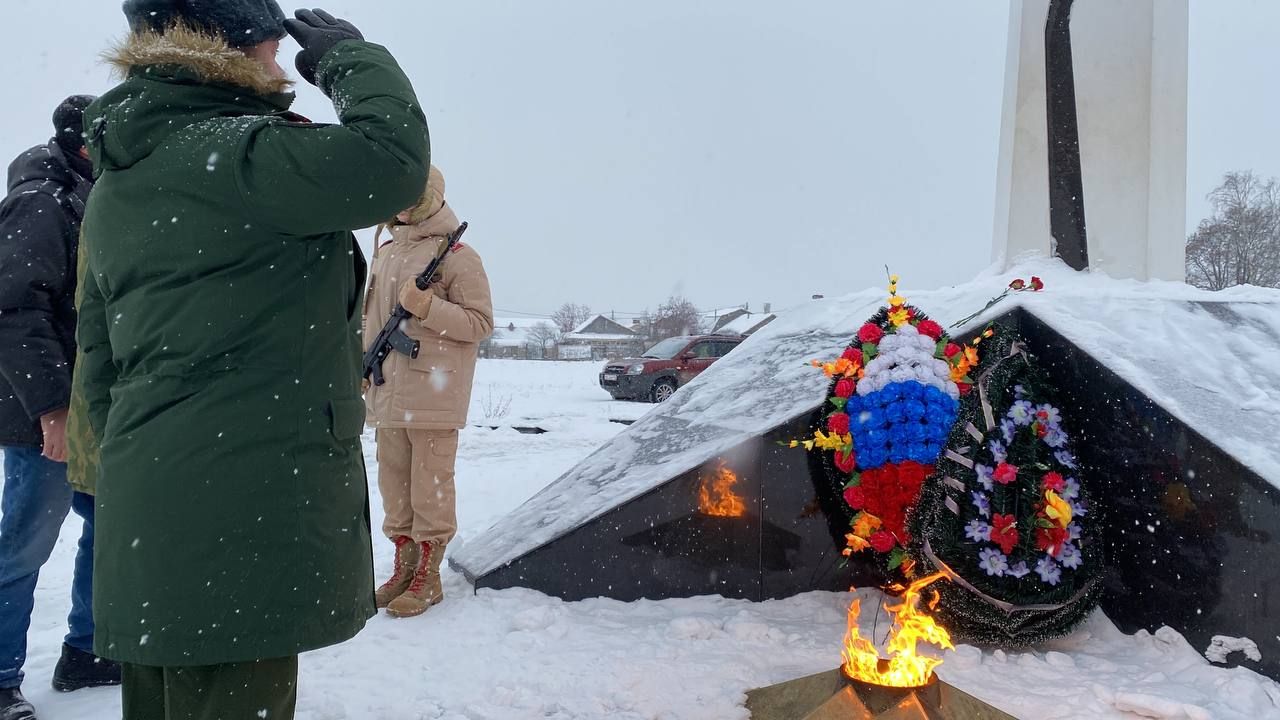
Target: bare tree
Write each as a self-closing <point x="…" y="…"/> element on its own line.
<point x="1239" y="243"/>
<point x="677" y="316"/>
<point x="545" y="337"/>
<point x="570" y="316"/>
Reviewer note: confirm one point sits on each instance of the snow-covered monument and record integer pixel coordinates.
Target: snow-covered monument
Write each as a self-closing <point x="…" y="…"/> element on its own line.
<point x="1173" y="393"/>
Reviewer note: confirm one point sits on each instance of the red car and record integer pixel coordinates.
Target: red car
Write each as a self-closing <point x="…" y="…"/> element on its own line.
<point x="665" y="367"/>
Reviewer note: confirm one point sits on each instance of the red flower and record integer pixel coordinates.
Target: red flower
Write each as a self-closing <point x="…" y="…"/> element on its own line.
<point x="930" y="328"/>
<point x="1004" y="532"/>
<point x="1051" y="539"/>
<point x="856" y="497"/>
<point x="1053" y="481"/>
<point x="846" y="461"/>
<point x="845" y="388"/>
<point x="1036" y="283"/>
<point x="1005" y="473"/>
<point x="870" y="333"/>
<point x="1018" y="284"/>
<point x="952" y="350"/>
<point x="882" y="542"/>
<point x="852" y="354"/>
<point x="965" y="388"/>
<point x="838" y="423"/>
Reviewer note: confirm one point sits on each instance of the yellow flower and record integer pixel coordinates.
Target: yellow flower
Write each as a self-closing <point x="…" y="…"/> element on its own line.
<point x="1057" y="509"/>
<point x="971" y="356"/>
<point x="897" y="301"/>
<point x="894" y="279"/>
<point x="865" y="525"/>
<point x="899" y="317"/>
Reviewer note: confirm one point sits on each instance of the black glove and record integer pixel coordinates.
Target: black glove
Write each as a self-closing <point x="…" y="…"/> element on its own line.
<point x="317" y="32"/>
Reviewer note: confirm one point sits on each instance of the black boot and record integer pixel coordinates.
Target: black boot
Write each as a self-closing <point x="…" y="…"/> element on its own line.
<point x="15" y="707"/>
<point x="78" y="670"/>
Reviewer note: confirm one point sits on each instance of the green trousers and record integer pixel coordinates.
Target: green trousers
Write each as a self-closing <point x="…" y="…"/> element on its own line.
<point x="239" y="691"/>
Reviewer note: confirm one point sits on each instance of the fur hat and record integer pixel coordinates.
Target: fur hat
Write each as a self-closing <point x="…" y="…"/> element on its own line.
<point x="68" y="122"/>
<point x="432" y="199"/>
<point x="242" y="23"/>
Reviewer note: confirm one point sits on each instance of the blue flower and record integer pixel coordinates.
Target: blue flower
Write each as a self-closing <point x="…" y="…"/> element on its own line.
<point x="1074" y="531"/>
<point x="1055" y="438"/>
<point x="898" y="453"/>
<point x="993" y="562"/>
<point x="981" y="502"/>
<point x="1019" y="392"/>
<point x="998" y="451"/>
<point x="978" y="531"/>
<point x="1065" y="457"/>
<point x="1019" y="570"/>
<point x="1007" y="429"/>
<point x="854" y="405"/>
<point x="1078" y="507"/>
<point x="913" y="432"/>
<point x="1071" y="556"/>
<point x="984" y="476"/>
<point x="1048" y="570"/>
<point x="919" y="453"/>
<point x="1022" y="412"/>
<point x="1049" y="415"/>
<point x="933" y="449"/>
<point x="896" y="413"/>
<point x="915" y="409"/>
<point x="1070" y="489"/>
<point x="891" y="393"/>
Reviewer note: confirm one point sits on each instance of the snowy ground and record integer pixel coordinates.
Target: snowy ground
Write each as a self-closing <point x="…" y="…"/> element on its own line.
<point x="516" y="654"/>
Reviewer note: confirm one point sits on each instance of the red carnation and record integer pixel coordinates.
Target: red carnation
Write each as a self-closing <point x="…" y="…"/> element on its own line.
<point x="1051" y="539"/>
<point x="882" y="542"/>
<point x="846" y="461"/>
<point x="1004" y="532"/>
<point x="1005" y="473"/>
<point x="1036" y="283"/>
<point x="845" y="388"/>
<point x="1018" y="284"/>
<point x="852" y="354"/>
<point x="952" y="350"/>
<point x="930" y="328"/>
<point x="856" y="497"/>
<point x="838" y="423"/>
<point x="870" y="333"/>
<point x="1053" y="481"/>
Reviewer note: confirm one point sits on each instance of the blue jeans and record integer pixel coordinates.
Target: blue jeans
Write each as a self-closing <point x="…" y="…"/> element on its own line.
<point x="35" y="503"/>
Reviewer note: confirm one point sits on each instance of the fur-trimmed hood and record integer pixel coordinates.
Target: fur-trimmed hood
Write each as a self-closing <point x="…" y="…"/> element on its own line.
<point x="172" y="81"/>
<point x="209" y="57"/>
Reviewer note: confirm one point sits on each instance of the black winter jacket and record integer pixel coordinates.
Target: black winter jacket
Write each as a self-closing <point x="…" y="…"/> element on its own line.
<point x="39" y="237"/>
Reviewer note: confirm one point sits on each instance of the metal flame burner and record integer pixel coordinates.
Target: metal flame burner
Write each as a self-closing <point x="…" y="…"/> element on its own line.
<point x="834" y="696"/>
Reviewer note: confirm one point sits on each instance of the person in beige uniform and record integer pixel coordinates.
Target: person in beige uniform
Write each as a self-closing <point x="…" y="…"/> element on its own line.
<point x="420" y="409"/>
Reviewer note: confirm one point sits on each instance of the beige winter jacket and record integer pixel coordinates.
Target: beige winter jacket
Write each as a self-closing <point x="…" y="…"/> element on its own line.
<point x="433" y="391"/>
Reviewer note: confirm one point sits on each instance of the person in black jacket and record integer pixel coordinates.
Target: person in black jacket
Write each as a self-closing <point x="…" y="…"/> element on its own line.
<point x="39" y="237"/>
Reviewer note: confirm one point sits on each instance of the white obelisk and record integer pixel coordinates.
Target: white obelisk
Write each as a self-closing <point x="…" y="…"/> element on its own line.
<point x="1130" y="61"/>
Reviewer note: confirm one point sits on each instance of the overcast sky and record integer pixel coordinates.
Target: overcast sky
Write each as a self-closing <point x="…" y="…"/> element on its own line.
<point x="613" y="153"/>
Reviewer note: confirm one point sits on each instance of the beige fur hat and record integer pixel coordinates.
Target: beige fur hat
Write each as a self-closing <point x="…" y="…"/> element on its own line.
<point x="432" y="200"/>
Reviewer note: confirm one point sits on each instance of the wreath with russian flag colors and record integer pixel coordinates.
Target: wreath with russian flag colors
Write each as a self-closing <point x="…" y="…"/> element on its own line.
<point x="893" y="398"/>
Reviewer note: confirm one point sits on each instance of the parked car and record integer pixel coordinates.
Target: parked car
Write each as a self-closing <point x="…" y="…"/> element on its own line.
<point x="665" y="367"/>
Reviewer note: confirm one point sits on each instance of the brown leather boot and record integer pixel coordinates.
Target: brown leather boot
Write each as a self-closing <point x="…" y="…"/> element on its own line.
<point x="425" y="590"/>
<point x="408" y="553"/>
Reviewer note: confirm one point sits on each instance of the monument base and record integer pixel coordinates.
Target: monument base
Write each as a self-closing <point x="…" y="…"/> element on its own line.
<point x="832" y="696"/>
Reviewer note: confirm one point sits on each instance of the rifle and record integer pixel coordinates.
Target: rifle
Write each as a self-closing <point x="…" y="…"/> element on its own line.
<point x="392" y="336"/>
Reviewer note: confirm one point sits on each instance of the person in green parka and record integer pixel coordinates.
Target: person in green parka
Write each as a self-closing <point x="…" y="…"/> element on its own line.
<point x="220" y="332"/>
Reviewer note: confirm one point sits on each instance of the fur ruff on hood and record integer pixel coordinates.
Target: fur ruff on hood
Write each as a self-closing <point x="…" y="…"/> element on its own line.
<point x="208" y="56"/>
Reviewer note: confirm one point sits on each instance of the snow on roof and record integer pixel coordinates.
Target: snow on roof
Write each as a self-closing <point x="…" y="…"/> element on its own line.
<point x="605" y="337"/>
<point x="1208" y="359"/>
<point x="582" y="329"/>
<point x="745" y="324"/>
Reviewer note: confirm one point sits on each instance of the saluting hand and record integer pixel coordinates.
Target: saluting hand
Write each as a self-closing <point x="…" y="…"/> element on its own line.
<point x="317" y="32"/>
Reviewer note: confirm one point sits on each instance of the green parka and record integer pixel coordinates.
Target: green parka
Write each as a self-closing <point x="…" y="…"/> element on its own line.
<point x="220" y="331"/>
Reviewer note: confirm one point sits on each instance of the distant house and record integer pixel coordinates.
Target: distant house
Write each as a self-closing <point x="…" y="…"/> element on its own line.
<point x="742" y="323"/>
<point x="513" y="339"/>
<point x="604" y="338"/>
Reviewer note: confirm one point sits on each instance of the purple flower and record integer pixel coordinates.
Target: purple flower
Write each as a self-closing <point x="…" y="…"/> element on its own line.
<point x="984" y="476"/>
<point x="1049" y="415"/>
<point x="1078" y="508"/>
<point x="1055" y="438"/>
<point x="1018" y="571"/>
<point x="1007" y="429"/>
<point x="1019" y="392"/>
<point x="1071" y="489"/>
<point x="1065" y="457"/>
<point x="1048" y="570"/>
<point x="998" y="451"/>
<point x="1071" y="556"/>
<point x="978" y="531"/>
<point x="1022" y="412"/>
<point x="1074" y="531"/>
<point x="993" y="562"/>
<point x="984" y="506"/>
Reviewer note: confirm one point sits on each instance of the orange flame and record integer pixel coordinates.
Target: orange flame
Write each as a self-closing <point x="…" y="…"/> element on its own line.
<point x="716" y="496"/>
<point x="903" y="668"/>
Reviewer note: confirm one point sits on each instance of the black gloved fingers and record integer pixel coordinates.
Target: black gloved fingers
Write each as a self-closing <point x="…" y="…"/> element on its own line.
<point x="295" y="29"/>
<point x="331" y="20"/>
<point x="310" y="18"/>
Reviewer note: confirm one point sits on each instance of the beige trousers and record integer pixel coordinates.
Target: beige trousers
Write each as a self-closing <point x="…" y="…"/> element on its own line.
<point x="415" y="475"/>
